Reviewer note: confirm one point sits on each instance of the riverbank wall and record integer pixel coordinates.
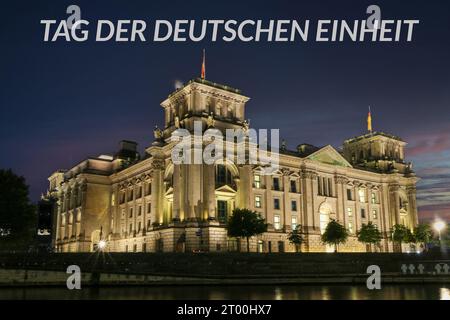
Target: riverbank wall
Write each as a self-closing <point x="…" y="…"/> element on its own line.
<point x="220" y="269"/>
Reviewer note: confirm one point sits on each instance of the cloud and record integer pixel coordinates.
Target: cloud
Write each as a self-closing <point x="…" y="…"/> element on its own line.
<point x="438" y="141"/>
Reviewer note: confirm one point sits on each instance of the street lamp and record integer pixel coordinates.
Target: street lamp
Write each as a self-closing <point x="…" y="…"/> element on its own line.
<point x="439" y="225"/>
<point x="101" y="245"/>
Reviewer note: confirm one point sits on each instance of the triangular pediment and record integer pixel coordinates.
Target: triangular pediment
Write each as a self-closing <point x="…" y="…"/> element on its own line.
<point x="329" y="155"/>
<point x="226" y="188"/>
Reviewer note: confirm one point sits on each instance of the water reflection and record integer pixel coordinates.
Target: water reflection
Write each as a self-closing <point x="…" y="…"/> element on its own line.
<point x="292" y="292"/>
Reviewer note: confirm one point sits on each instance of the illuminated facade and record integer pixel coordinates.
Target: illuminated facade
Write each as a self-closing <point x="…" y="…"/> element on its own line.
<point x="149" y="204"/>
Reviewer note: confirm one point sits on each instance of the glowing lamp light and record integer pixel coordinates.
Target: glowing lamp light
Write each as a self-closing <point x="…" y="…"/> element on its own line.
<point x="102" y="244"/>
<point x="439" y="225"/>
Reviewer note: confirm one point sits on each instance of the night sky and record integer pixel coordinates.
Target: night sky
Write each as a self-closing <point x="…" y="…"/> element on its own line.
<point x="62" y="102"/>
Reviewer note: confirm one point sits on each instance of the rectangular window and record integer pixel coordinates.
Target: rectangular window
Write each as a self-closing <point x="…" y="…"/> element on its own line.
<point x="294" y="223"/>
<point x="319" y="186"/>
<point x="293" y="186"/>
<point x="139" y="211"/>
<point x="257" y="201"/>
<point x="149" y="224"/>
<point x="276" y="184"/>
<point x="149" y="207"/>
<point x="350" y="212"/>
<point x="363" y="213"/>
<point x="122" y="197"/>
<point x="330" y="187"/>
<point x="148" y="190"/>
<point x="374" y="214"/>
<point x="276" y="222"/>
<point x="276" y="204"/>
<point x="130" y="195"/>
<point x="362" y="195"/>
<point x="139" y="193"/>
<point x="222" y="211"/>
<point x="131" y="228"/>
<point x="257" y="181"/>
<point x="139" y="226"/>
<point x="131" y="212"/>
<point x="135" y="248"/>
<point x="324" y="186"/>
<point x="349" y="194"/>
<point x="294" y="205"/>
<point x="350" y="227"/>
<point x="373" y="198"/>
<point x="144" y="247"/>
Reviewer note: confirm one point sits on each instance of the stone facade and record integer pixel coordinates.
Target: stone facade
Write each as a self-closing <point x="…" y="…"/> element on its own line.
<point x="151" y="204"/>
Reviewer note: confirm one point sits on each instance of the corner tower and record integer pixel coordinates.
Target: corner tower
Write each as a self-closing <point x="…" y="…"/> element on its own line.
<point x="200" y="99"/>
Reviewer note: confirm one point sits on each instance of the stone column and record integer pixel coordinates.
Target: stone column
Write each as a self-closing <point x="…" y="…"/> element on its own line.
<point x="210" y="188"/>
<point x="369" y="202"/>
<point x="286" y="199"/>
<point x="157" y="190"/>
<point x="356" y="185"/>
<point x="341" y="181"/>
<point x="176" y="193"/>
<point x="309" y="182"/>
<point x="245" y="186"/>
<point x="195" y="188"/>
<point x="412" y="206"/>
<point x="394" y="203"/>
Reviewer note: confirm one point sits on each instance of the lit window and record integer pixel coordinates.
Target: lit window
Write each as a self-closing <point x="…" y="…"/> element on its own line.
<point x="374" y="214"/>
<point x="349" y="194"/>
<point x="350" y="212"/>
<point x="257" y="201"/>
<point x="276" y="222"/>
<point x="113" y="200"/>
<point x="276" y="204"/>
<point x="257" y="181"/>
<point x="362" y="195"/>
<point x="373" y="198"/>
<point x="350" y="227"/>
<point x="294" y="223"/>
<point x="294" y="205"/>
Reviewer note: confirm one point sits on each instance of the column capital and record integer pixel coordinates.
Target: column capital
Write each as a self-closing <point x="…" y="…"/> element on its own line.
<point x="308" y="174"/>
<point x="158" y="164"/>
<point x="341" y="179"/>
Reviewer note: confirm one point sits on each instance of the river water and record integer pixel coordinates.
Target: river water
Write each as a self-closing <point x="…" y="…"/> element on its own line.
<point x="285" y="292"/>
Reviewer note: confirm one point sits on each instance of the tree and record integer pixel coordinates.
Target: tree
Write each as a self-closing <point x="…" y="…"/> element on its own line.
<point x="334" y="234"/>
<point x="17" y="214"/>
<point x="401" y="234"/>
<point x="244" y="223"/>
<point x="296" y="238"/>
<point x="369" y="234"/>
<point x="423" y="234"/>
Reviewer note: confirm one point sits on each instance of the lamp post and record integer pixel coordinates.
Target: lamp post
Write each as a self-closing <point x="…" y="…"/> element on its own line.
<point x="439" y="225"/>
